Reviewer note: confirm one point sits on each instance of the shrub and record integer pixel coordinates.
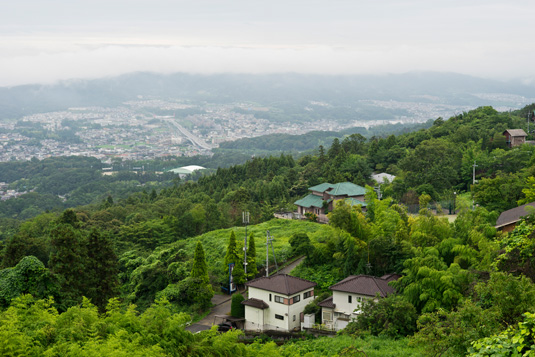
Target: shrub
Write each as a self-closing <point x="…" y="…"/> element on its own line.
<point x="237" y="309"/>
<point x="392" y="316"/>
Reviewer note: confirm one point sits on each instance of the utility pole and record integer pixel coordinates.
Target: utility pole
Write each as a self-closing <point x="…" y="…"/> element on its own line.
<point x="245" y="220"/>
<point x="269" y="240"/>
<point x="378" y="190"/>
<point x="474" y="173"/>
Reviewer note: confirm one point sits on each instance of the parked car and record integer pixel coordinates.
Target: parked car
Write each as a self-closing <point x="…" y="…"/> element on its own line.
<point x="226" y="326"/>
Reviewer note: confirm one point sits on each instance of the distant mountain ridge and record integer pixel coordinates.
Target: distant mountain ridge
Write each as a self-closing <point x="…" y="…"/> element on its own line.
<point x="268" y="89"/>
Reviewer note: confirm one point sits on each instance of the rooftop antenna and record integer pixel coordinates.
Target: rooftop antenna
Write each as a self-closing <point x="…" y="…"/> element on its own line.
<point x="269" y="240"/>
<point x="245" y="220"/>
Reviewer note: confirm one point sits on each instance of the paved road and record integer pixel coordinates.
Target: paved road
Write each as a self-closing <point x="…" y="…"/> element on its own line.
<point x="222" y="304"/>
<point x="194" y="139"/>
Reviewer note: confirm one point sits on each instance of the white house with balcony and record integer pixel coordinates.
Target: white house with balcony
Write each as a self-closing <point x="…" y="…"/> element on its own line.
<point x="348" y="295"/>
<point x="277" y="302"/>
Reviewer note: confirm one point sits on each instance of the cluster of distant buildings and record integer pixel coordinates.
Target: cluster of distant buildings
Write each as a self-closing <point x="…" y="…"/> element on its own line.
<point x="6" y="193"/>
<point x="130" y="132"/>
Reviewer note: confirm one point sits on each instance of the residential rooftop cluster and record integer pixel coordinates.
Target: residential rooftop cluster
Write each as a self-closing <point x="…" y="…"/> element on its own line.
<point x="137" y="130"/>
<point x="149" y="128"/>
<point x="6" y="193"/>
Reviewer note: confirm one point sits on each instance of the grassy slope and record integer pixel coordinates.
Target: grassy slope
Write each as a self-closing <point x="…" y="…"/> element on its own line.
<point x="215" y="242"/>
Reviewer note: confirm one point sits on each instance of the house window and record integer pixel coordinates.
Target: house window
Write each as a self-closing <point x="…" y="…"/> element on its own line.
<point x="279" y="317"/>
<point x="294" y="317"/>
<point x="269" y="297"/>
<point x="349" y="300"/>
<point x="327" y="316"/>
<point x="279" y="299"/>
<point x="297" y="298"/>
<point x="359" y="299"/>
<point x="307" y="294"/>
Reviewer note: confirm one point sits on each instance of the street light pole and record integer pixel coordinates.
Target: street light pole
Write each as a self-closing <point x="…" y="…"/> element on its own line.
<point x="245" y="219"/>
<point x="474" y="173"/>
<point x="529" y="117"/>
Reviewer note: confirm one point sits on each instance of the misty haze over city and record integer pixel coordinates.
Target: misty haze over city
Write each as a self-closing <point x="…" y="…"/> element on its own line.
<point x="42" y="42"/>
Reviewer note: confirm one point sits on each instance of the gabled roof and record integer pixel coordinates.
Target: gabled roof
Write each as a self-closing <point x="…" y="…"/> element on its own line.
<point x="310" y="201"/>
<point x="391" y="277"/>
<point x="380" y="178"/>
<point x="515" y="132"/>
<point x="316" y="201"/>
<point x="328" y="303"/>
<point x="513" y="215"/>
<point x="282" y="284"/>
<point x="256" y="303"/>
<point x="354" y="202"/>
<point x="347" y="189"/>
<point x="322" y="187"/>
<point x="364" y="285"/>
<point x="340" y="189"/>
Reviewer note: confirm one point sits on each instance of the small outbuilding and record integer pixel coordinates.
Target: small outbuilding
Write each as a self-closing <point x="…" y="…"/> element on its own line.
<point x="515" y="137"/>
<point x="383" y="177"/>
<point x="508" y="219"/>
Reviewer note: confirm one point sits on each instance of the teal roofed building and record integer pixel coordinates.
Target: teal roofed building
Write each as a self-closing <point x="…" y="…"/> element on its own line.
<point x="323" y="196"/>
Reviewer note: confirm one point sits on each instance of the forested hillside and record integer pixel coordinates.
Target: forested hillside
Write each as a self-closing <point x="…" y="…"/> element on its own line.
<point x="465" y="288"/>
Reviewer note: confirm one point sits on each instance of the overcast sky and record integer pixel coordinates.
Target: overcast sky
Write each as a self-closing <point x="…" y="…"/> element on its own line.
<point x="42" y="41"/>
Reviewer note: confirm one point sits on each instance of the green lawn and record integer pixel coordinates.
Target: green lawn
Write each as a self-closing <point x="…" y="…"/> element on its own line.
<point x="215" y="242"/>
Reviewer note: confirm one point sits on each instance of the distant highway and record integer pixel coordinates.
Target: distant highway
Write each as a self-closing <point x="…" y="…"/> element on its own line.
<point x="195" y="140"/>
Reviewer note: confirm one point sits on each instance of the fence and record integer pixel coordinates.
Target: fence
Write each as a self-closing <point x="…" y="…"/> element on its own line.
<point x="440" y="207"/>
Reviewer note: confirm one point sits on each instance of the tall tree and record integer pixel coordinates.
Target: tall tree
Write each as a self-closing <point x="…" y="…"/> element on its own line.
<point x="251" y="258"/>
<point x="335" y="149"/>
<point x="101" y="269"/>
<point x="67" y="261"/>
<point x="199" y="269"/>
<point x="436" y="162"/>
<point x="231" y="256"/>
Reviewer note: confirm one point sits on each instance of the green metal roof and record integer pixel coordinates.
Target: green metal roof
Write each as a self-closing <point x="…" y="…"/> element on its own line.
<point x="322" y="187"/>
<point x="317" y="201"/>
<point x="347" y="189"/>
<point x="353" y="202"/>
<point x="310" y="201"/>
<point x="340" y="189"/>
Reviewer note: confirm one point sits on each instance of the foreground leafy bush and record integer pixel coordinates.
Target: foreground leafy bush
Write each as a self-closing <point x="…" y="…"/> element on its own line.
<point x="392" y="316"/>
<point x="449" y="333"/>
<point x="518" y="341"/>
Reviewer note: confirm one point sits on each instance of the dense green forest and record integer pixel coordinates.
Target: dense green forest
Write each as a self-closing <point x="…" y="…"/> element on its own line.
<point x="466" y="288"/>
<point x="287" y="143"/>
